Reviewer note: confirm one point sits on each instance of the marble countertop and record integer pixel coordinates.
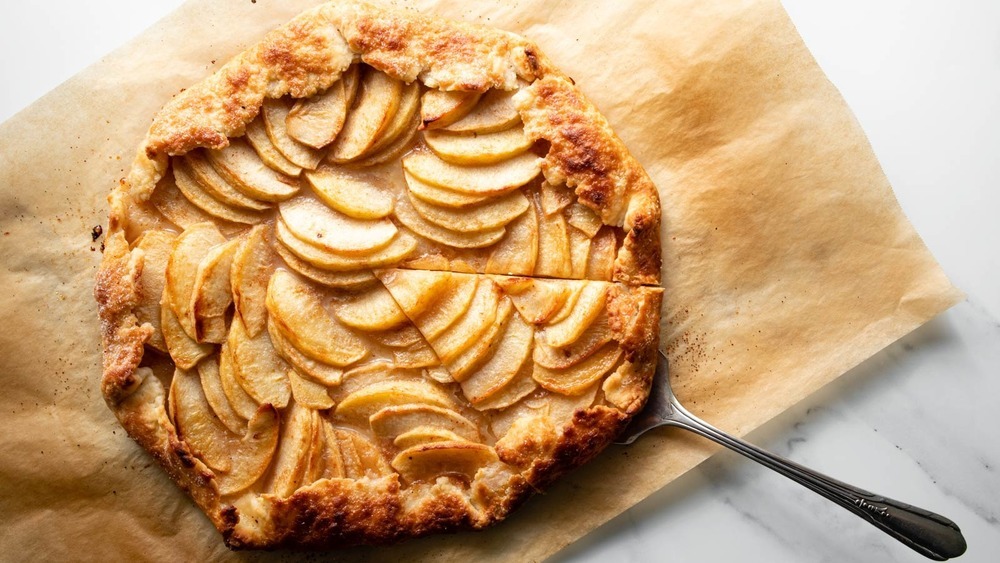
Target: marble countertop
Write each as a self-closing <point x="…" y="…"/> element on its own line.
<point x="919" y="421"/>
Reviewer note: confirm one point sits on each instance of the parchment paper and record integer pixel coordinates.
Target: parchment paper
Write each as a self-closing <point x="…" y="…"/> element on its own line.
<point x="787" y="259"/>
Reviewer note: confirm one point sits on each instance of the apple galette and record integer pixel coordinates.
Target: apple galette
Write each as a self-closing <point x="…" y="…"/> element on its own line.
<point x="379" y="276"/>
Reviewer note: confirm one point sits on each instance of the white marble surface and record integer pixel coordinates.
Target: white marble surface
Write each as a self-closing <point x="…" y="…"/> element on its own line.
<point x="919" y="421"/>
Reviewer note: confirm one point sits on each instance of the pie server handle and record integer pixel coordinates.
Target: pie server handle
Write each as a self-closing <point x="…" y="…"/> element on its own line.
<point x="927" y="533"/>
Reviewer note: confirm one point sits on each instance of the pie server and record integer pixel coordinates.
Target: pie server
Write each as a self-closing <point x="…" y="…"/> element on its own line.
<point x="927" y="533"/>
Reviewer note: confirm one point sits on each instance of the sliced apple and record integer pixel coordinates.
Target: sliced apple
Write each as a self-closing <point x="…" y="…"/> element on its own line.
<point x="401" y="246"/>
<point x="256" y="135"/>
<point x="470" y="326"/>
<point x="579" y="253"/>
<point x="414" y="290"/>
<point x="350" y="280"/>
<point x="577" y="379"/>
<point x="355" y="193"/>
<point x="401" y="337"/>
<point x="409" y="217"/>
<point x="416" y="355"/>
<point x="495" y="213"/>
<point x="374" y="107"/>
<point x="424" y="435"/>
<point x="542" y="411"/>
<point x="189" y="249"/>
<point x="275" y="114"/>
<point x="368" y="400"/>
<point x="211" y="384"/>
<point x="324" y="374"/>
<point x="197" y="168"/>
<point x="242" y="403"/>
<point x="593" y="339"/>
<point x="586" y="310"/>
<point x="316" y="121"/>
<point x="349" y="454"/>
<point x="518" y="421"/>
<point x="517" y="252"/>
<point x="442" y="197"/>
<point x="258" y="368"/>
<point x="489" y="179"/>
<point x="183" y="350"/>
<point x="554" y="259"/>
<point x="518" y="387"/>
<point x="574" y="289"/>
<point x="377" y="371"/>
<point x="332" y="458"/>
<point x="308" y="393"/>
<point x="371" y="458"/>
<point x="315" y="461"/>
<point x="314" y="223"/>
<point x="365" y="459"/>
<point x="513" y="350"/>
<point x="300" y="316"/>
<point x="514" y="285"/>
<point x="197" y="425"/>
<point x="554" y="199"/>
<point x="584" y="218"/>
<point x="357" y="279"/>
<point x="299" y="430"/>
<point x="562" y="407"/>
<point x="476" y="149"/>
<point x="239" y="164"/>
<point x="253" y="455"/>
<point x="425" y="462"/>
<point x="156" y="246"/>
<point x="395" y="149"/>
<point x="439" y="108"/>
<point x="241" y="459"/>
<point x="452" y="303"/>
<point x="252" y="264"/>
<point x="200" y="197"/>
<point x="179" y="210"/>
<point x="395" y="420"/>
<point x="409" y="103"/>
<point x="538" y="300"/>
<point x="439" y="374"/>
<point x="494" y="112"/>
<point x="212" y="293"/>
<point x="601" y="261"/>
<point x="373" y="310"/>
<point x="479" y="351"/>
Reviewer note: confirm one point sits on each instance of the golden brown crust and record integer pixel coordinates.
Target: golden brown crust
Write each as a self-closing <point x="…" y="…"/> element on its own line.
<point x="589" y="432"/>
<point x="117" y="294"/>
<point x="144" y="417"/>
<point x="301" y="58"/>
<point x="334" y="511"/>
<point x="310" y="52"/>
<point x="585" y="154"/>
<point x="634" y="318"/>
<point x="443" y="54"/>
